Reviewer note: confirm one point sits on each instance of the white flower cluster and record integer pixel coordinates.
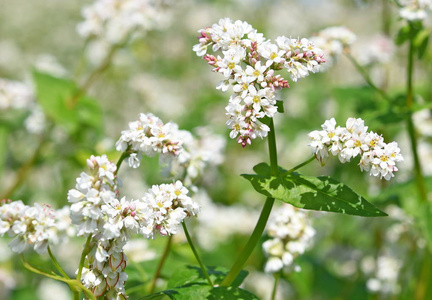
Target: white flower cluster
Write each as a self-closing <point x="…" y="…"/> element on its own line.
<point x="249" y="62"/>
<point x="19" y="95"/>
<point x="378" y="49"/>
<point x="384" y="276"/>
<point x="98" y="212"/>
<point x="113" y="21"/>
<point x="290" y="235"/>
<point x="15" y="95"/>
<point x="149" y="136"/>
<point x="414" y="10"/>
<point x="377" y="157"/>
<point x="333" y="41"/>
<point x="199" y="150"/>
<point x="37" y="225"/>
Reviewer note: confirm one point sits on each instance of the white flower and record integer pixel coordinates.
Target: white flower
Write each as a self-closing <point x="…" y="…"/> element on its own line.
<point x="249" y="62"/>
<point x="353" y="140"/>
<point x="290" y="234"/>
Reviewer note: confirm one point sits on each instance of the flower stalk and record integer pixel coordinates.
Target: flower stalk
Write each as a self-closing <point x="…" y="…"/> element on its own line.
<point x="262" y="221"/>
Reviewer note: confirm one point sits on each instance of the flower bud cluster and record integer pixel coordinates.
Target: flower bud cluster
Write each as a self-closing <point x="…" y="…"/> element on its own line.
<point x="149" y="136"/>
<point x="354" y="140"/>
<point x="98" y="212"/>
<point x="414" y="10"/>
<point x="249" y="62"/>
<point x="290" y="235"/>
<point x="37" y="225"/>
<point x="333" y="41"/>
<point x="114" y="21"/>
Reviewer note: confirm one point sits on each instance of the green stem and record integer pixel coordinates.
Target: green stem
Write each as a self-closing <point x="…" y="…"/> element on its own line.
<point x="24" y="170"/>
<point x="366" y="77"/>
<point x="276" y="282"/>
<point x="419" y="177"/>
<point x="301" y="165"/>
<point x="262" y="221"/>
<point x="74" y="284"/>
<point x="160" y="265"/>
<point x="120" y="160"/>
<point x="56" y="264"/>
<point x="72" y="102"/>
<point x="203" y="269"/>
<point x="84" y="253"/>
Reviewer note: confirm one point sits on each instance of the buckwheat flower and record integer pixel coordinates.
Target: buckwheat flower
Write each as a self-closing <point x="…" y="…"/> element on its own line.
<point x="290" y="235"/>
<point x="377" y="157"/>
<point x="168" y="206"/>
<point x="149" y="136"/>
<point x="248" y="62"/>
<point x="35" y="225"/>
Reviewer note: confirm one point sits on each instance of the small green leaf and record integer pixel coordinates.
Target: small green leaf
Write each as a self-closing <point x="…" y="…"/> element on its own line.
<point x="204" y="292"/>
<point x="316" y="193"/>
<point x="193" y="274"/>
<point x="421" y="41"/>
<point x="403" y="35"/>
<point x="55" y="94"/>
<point x="280" y="106"/>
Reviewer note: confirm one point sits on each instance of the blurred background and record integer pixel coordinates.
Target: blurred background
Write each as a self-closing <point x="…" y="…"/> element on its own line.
<point x="351" y="257"/>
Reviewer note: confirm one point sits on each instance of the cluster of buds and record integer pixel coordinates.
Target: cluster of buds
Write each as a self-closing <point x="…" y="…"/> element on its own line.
<point x="149" y="136"/>
<point x="290" y="235"/>
<point x="38" y="225"/>
<point x="377" y="157"/>
<point x="249" y="62"/>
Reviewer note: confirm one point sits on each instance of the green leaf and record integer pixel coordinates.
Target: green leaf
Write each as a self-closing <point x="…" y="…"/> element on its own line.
<point x="315" y="193"/>
<point x="55" y="96"/>
<point x="204" y="292"/>
<point x="193" y="274"/>
<point x="421" y="41"/>
<point x="280" y="106"/>
<point x="403" y="35"/>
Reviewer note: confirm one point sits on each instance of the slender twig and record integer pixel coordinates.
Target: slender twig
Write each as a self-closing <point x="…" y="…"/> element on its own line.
<point x="24" y="170"/>
<point x="419" y="177"/>
<point x="276" y="282"/>
<point x="262" y="221"/>
<point x="203" y="269"/>
<point x="301" y="165"/>
<point x="366" y="77"/>
<point x="56" y="264"/>
<point x="120" y="160"/>
<point x="160" y="265"/>
<point x="84" y="253"/>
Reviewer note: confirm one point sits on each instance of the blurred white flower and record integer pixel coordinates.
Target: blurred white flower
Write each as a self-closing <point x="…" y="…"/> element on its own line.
<point x="15" y="95"/>
<point x="414" y="10"/>
<point x="290" y="235"/>
<point x="376" y="50"/>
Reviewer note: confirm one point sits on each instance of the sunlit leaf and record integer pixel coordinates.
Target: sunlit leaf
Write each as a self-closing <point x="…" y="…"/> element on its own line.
<point x="315" y="193"/>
